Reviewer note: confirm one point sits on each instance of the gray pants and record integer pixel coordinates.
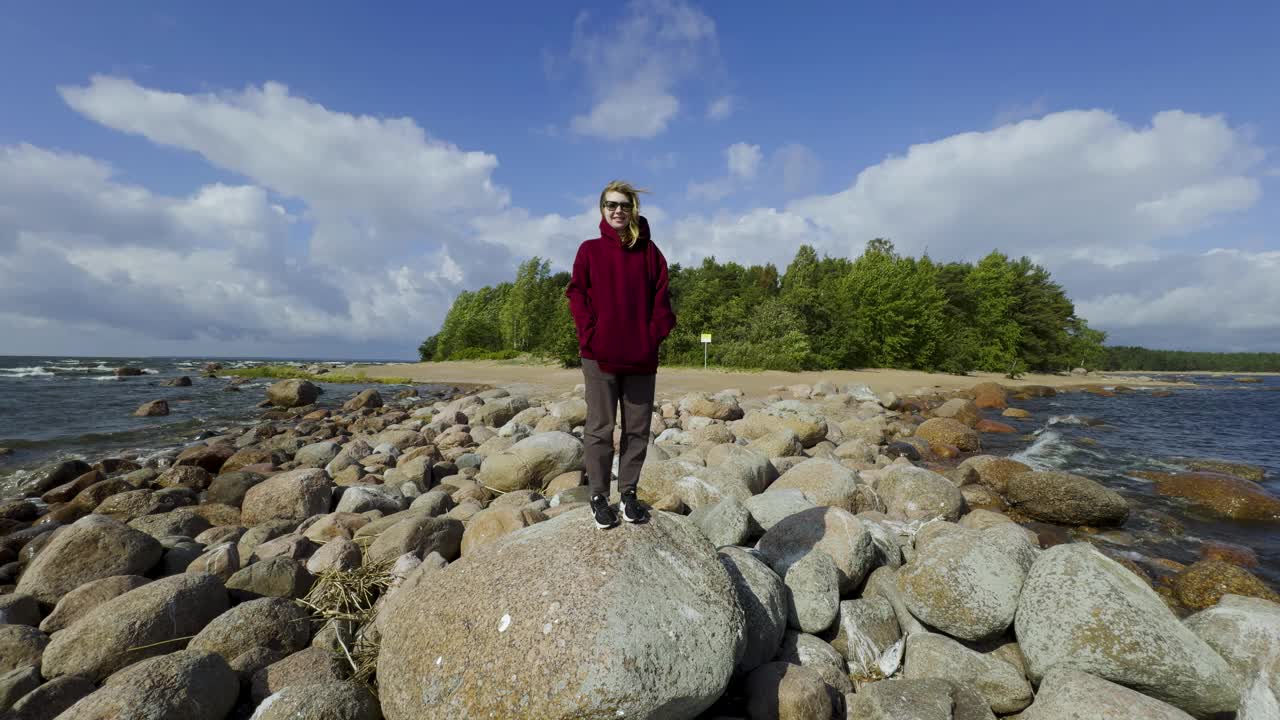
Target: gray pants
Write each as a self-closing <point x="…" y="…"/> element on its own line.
<point x="605" y="393"/>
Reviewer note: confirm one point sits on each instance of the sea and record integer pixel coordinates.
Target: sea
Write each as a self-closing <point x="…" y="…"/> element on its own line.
<point x="53" y="408"/>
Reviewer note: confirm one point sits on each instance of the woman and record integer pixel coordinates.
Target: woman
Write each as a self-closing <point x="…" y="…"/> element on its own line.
<point x="620" y="304"/>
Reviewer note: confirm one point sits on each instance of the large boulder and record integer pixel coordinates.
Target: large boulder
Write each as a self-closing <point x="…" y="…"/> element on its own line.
<point x="1064" y="498"/>
<point x="763" y="599"/>
<point x="718" y="407"/>
<point x="327" y="700"/>
<point x="77" y="603"/>
<point x="769" y="508"/>
<point x="187" y="684"/>
<point x="918" y="699"/>
<point x="492" y="523"/>
<point x="824" y="482"/>
<point x="1203" y="583"/>
<point x="1001" y="684"/>
<point x="91" y="548"/>
<point x="914" y="493"/>
<point x="960" y="410"/>
<point x="967" y="583"/>
<point x="1222" y="495"/>
<point x="993" y="471"/>
<point x="1246" y="633"/>
<point x="990" y="395"/>
<point x="695" y="485"/>
<point x="292" y="393"/>
<point x="20" y="646"/>
<point x="51" y="699"/>
<point x="145" y="622"/>
<point x="835" y="532"/>
<point x="946" y="431"/>
<point x="1066" y="693"/>
<point x="868" y="637"/>
<point x="273" y="623"/>
<point x="810" y="428"/>
<point x="419" y="534"/>
<point x="1081" y="610"/>
<point x="279" y="577"/>
<point x="293" y="496"/>
<point x="531" y="463"/>
<point x="782" y="691"/>
<point x="751" y="467"/>
<point x="643" y="622"/>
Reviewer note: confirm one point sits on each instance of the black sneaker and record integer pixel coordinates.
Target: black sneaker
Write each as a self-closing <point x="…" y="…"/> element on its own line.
<point x="603" y="512"/>
<point x="632" y="510"/>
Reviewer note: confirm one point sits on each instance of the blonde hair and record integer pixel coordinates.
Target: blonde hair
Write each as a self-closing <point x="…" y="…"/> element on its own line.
<point x="633" y="194"/>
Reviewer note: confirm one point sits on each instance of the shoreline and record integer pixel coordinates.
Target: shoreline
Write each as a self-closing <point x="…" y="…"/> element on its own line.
<point x="554" y="380"/>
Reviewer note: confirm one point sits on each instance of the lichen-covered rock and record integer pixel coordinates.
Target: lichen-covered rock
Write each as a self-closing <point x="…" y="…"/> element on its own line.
<point x="946" y="431"/>
<point x="139" y="624"/>
<point x="918" y="699"/>
<point x="532" y="462"/>
<point x="835" y="532"/>
<point x="1202" y="584"/>
<point x="89" y="549"/>
<point x="914" y="493"/>
<point x="824" y="482"/>
<point x="1222" y="495"/>
<point x="1067" y="693"/>
<point x="782" y="691"/>
<point x="643" y="622"/>
<point x="273" y="623"/>
<point x="320" y="701"/>
<point x="1081" y="610"/>
<point x="1062" y="497"/>
<point x="20" y="646"/>
<point x="1245" y="631"/>
<point x="187" y="684"/>
<point x="1002" y="685"/>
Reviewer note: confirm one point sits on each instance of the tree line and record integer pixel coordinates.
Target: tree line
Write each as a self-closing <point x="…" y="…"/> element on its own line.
<point x="1127" y="357"/>
<point x="881" y="309"/>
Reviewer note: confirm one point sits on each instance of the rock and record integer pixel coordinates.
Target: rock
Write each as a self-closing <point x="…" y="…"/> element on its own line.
<point x="831" y="531"/>
<point x="946" y="431"/>
<point x="919" y="699"/>
<point x="210" y="457"/>
<point x="77" y="603"/>
<point x="259" y="534"/>
<point x="420" y="535"/>
<point x="1067" y="693"/>
<point x="1017" y="413"/>
<point x="994" y="471"/>
<point x="19" y="609"/>
<point x="1081" y="610"/>
<point x="20" y="646"/>
<point x="364" y="399"/>
<point x="273" y="623"/>
<point x="651" y="628"/>
<point x="1204" y="583"/>
<point x="329" y="700"/>
<point x="958" y="409"/>
<point x="867" y="632"/>
<point x="294" y="496"/>
<point x="813" y="597"/>
<point x="781" y="443"/>
<point x="181" y="381"/>
<point x="306" y="667"/>
<point x="89" y="549"/>
<point x="139" y="624"/>
<point x="51" y="699"/>
<point x="809" y="428"/>
<point x="532" y="462"/>
<point x="763" y="599"/>
<point x="883" y="582"/>
<point x="990" y="395"/>
<point x="1244" y="471"/>
<point x="317" y="455"/>
<point x="992" y="426"/>
<point x="229" y="488"/>
<point x="51" y="476"/>
<point x="371" y="497"/>
<point x="184" y="521"/>
<point x="824" y="482"/>
<point x="783" y="691"/>
<point x="338" y="554"/>
<point x="1244" y="630"/>
<point x="1061" y="497"/>
<point x="573" y="411"/>
<point x="913" y="493"/>
<point x="1222" y="495"/>
<point x="222" y="561"/>
<point x="724" y="523"/>
<point x="967" y="585"/>
<point x="153" y="408"/>
<point x="292" y="393"/>
<point x="192" y="477"/>
<point x="929" y="655"/>
<point x="752" y="468"/>
<point x="186" y="684"/>
<point x="720" y="407"/>
<point x="769" y="508"/>
<point x="280" y="577"/>
<point x="17" y="683"/>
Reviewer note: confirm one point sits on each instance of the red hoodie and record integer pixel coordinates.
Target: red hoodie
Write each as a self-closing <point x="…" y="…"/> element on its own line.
<point x="620" y="303"/>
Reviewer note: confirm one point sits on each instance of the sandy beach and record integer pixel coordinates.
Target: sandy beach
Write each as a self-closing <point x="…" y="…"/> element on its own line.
<point x="552" y="380"/>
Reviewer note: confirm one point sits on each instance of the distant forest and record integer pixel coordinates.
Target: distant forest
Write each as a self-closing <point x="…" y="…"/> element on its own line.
<point x="881" y="309"/>
<point x="1140" y="358"/>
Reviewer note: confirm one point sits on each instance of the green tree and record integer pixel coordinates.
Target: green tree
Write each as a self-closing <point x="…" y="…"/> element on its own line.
<point x="992" y="287"/>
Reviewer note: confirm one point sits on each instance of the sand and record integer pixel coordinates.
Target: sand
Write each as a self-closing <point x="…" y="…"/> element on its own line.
<point x="550" y="380"/>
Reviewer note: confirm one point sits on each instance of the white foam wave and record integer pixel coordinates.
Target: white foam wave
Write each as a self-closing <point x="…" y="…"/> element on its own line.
<point x="1048" y="452"/>
<point x="26" y="371"/>
<point x="1067" y="420"/>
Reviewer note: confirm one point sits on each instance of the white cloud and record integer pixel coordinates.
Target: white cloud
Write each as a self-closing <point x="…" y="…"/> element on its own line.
<point x="798" y="166"/>
<point x="1015" y="111"/>
<point x="720" y="108"/>
<point x="634" y="64"/>
<point x="743" y="160"/>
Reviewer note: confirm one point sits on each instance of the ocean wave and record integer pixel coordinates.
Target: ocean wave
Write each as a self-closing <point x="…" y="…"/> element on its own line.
<point x="1048" y="452"/>
<point x="26" y="371"/>
<point x="1067" y="420"/>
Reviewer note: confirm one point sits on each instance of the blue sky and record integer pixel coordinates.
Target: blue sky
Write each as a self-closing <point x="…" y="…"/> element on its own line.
<point x="319" y="179"/>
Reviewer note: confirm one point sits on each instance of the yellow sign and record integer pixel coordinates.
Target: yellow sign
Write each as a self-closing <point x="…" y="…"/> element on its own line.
<point x="706" y="337"/>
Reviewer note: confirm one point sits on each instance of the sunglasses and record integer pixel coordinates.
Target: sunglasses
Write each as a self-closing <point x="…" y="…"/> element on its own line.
<point x="611" y="205"/>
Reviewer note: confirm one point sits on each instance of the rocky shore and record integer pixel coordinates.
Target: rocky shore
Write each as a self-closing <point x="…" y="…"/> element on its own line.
<point x="820" y="552"/>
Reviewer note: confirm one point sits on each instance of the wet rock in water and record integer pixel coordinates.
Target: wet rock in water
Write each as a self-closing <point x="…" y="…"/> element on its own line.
<point x="787" y="692"/>
<point x="991" y="426"/>
<point x="994" y="471"/>
<point x="51" y="476"/>
<point x="1016" y="413"/>
<point x="1225" y="467"/>
<point x="1222" y="495"/>
<point x="292" y="393"/>
<point x="1067" y="693"/>
<point x="139" y="624"/>
<point x="967" y="584"/>
<point x="1202" y="584"/>
<point x="20" y="646"/>
<point x="329" y="700"/>
<point x="51" y="699"/>
<point x="369" y="398"/>
<point x="123" y="372"/>
<point x="1065" y="498"/>
<point x="1230" y="552"/>
<point x="991" y="396"/>
<point x="652" y="627"/>
<point x="154" y="408"/>
<point x="960" y="410"/>
<point x="1001" y="684"/>
<point x="946" y="431"/>
<point x="186" y="684"/>
<point x="89" y="549"/>
<point x="181" y="381"/>
<point x="919" y="699"/>
<point x="1083" y="611"/>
